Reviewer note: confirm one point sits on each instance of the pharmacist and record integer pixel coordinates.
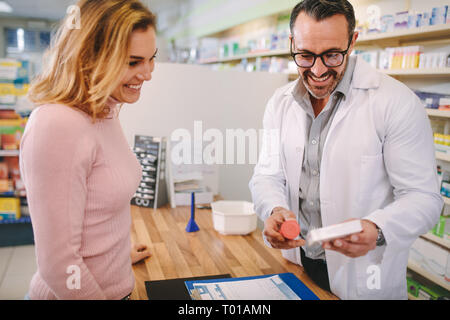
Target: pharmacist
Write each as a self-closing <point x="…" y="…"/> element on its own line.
<point x="352" y="143"/>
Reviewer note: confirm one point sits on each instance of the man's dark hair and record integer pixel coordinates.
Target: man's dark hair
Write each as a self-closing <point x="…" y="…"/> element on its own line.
<point x="322" y="9"/>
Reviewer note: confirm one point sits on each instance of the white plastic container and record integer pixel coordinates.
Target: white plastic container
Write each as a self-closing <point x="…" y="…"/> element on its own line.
<point x="233" y="217"/>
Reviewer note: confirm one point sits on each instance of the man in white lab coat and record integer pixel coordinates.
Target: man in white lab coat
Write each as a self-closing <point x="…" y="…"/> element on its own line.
<point x="350" y="143"/>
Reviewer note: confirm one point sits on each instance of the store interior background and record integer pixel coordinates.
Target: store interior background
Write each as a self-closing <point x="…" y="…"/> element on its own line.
<point x="194" y="80"/>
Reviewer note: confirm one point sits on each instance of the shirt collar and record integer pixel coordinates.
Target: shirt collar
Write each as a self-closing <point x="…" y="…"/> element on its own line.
<point x="345" y="84"/>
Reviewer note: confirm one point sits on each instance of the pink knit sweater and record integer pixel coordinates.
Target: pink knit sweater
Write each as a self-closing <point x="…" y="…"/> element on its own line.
<point x="79" y="177"/>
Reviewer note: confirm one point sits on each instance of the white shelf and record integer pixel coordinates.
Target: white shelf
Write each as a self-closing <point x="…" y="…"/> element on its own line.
<point x="9" y="153"/>
<point x="430" y="32"/>
<point x="428" y="275"/>
<point x="442" y="72"/>
<point x="442" y="156"/>
<point x="267" y="53"/>
<point x="438" y="113"/>
<point x="422" y="33"/>
<point x="433" y="238"/>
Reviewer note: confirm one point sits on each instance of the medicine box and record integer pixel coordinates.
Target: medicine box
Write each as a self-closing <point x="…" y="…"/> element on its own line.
<point x="432" y="293"/>
<point x="11" y="131"/>
<point x="9" y="208"/>
<point x="12" y="70"/>
<point x="442" y="228"/>
<point x="413" y="286"/>
<point x="10" y="91"/>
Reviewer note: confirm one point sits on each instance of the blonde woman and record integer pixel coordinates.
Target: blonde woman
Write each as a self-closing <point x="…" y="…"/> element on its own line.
<point x="79" y="171"/>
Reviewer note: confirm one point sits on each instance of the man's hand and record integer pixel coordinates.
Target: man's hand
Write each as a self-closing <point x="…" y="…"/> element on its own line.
<point x="358" y="244"/>
<point x="272" y="230"/>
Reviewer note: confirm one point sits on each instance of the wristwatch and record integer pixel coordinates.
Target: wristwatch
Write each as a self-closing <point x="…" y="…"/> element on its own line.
<point x="380" y="239"/>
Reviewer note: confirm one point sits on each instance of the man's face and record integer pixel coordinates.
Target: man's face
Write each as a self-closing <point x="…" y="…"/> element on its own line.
<point x="317" y="37"/>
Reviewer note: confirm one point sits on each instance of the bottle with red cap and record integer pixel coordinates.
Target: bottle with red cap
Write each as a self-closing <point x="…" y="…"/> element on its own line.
<point x="290" y="229"/>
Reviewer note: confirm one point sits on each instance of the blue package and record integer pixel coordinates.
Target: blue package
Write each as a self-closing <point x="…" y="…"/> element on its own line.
<point x="438" y="15"/>
<point x="412" y="20"/>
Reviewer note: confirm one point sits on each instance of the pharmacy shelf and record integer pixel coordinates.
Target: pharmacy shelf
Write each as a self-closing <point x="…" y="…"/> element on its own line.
<point x="413" y="266"/>
<point x="442" y="72"/>
<point x="433" y="238"/>
<point x="442" y="156"/>
<point x="266" y="53"/>
<point x="415" y="34"/>
<point x="9" y="153"/>
<point x="438" y="113"/>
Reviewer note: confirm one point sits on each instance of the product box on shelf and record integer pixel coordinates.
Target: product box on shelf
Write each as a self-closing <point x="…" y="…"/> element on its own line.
<point x="432" y="293"/>
<point x="401" y="20"/>
<point x="14" y="71"/>
<point x="433" y="100"/>
<point x="11" y="131"/>
<point x="387" y="23"/>
<point x="9" y="92"/>
<point x="442" y="228"/>
<point x="9" y="208"/>
<point x="413" y="287"/>
<point x="439" y="15"/>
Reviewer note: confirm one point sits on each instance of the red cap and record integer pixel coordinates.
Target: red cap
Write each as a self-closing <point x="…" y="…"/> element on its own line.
<point x="290" y="229"/>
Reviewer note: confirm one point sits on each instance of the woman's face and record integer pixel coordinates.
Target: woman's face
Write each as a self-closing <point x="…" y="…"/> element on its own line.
<point x="141" y="62"/>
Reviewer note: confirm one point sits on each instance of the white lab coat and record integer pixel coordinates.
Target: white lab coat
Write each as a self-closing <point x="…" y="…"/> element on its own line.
<point x="378" y="164"/>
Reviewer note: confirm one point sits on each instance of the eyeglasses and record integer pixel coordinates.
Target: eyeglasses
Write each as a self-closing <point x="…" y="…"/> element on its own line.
<point x="331" y="58"/>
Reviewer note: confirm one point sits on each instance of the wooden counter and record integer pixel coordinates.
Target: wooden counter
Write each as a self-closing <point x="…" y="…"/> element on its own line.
<point x="179" y="254"/>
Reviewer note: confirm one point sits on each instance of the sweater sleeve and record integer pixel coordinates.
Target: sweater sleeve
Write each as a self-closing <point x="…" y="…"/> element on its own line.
<point x="57" y="153"/>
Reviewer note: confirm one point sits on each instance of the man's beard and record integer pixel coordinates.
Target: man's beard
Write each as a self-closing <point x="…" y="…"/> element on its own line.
<point x="313" y="90"/>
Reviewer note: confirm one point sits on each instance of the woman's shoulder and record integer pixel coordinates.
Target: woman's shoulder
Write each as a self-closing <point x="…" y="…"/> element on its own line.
<point x="60" y="116"/>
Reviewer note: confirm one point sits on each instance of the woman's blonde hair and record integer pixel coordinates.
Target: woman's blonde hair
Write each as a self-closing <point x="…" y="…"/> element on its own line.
<point x="83" y="66"/>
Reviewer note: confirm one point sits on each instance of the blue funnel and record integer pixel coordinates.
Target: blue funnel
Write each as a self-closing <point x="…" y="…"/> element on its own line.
<point x="192" y="226"/>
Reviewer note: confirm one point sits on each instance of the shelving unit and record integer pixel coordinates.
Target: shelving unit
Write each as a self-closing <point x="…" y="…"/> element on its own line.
<point x="413" y="266"/>
<point x="440" y="241"/>
<point x="438" y="113"/>
<point x="13" y="232"/>
<point x="442" y="156"/>
<point x="428" y="33"/>
<point x="407" y="35"/>
<point x="419" y="73"/>
<point x="267" y="53"/>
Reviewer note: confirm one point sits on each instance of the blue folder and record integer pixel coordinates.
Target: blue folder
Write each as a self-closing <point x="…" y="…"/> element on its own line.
<point x="289" y="278"/>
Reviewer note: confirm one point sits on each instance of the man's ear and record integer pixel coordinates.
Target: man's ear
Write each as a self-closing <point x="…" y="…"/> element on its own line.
<point x="354" y="38"/>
